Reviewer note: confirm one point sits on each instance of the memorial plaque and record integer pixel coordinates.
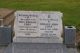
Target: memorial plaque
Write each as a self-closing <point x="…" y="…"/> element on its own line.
<point x="38" y="24"/>
<point x="35" y="23"/>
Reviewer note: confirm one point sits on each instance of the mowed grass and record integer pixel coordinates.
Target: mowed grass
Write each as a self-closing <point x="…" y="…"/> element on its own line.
<point x="69" y="8"/>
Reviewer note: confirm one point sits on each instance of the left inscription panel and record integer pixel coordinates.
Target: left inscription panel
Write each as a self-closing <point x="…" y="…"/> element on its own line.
<point x="27" y="25"/>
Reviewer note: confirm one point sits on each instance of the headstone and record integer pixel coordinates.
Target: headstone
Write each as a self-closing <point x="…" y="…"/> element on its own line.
<point x="38" y="27"/>
<point x="38" y="32"/>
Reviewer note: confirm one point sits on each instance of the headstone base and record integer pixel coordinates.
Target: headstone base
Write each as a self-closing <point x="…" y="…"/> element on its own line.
<point x="37" y="39"/>
<point x="37" y="48"/>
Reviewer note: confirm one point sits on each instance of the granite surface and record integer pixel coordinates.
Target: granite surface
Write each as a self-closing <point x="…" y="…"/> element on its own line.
<point x="38" y="48"/>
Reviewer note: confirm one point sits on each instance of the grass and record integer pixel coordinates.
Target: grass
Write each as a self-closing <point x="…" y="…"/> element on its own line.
<point x="70" y="8"/>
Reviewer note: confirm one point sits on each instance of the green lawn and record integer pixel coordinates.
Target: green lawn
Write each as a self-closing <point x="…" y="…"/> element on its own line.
<point x="70" y="8"/>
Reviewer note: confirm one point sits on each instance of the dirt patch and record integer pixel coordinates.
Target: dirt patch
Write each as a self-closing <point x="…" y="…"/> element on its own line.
<point x="7" y="15"/>
<point x="5" y="12"/>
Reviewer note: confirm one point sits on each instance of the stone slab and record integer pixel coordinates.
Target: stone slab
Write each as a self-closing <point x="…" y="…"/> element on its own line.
<point x="38" y="40"/>
<point x="38" y="48"/>
<point x="40" y="24"/>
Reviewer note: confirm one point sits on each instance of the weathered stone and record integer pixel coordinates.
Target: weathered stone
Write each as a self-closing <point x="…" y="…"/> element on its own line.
<point x="38" y="26"/>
